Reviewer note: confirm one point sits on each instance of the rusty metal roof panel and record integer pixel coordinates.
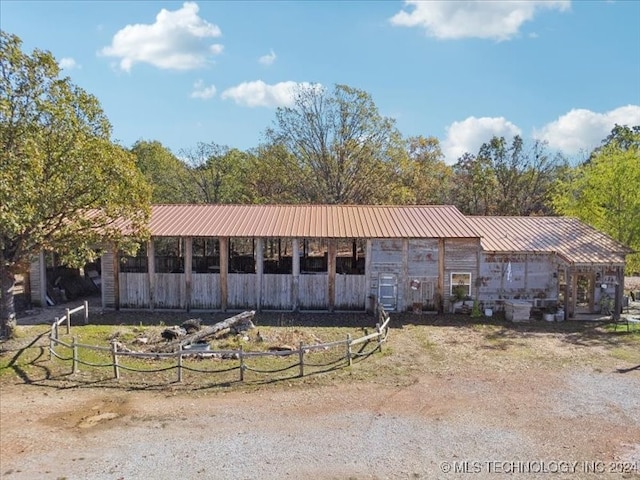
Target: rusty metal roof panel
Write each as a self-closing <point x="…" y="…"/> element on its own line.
<point x="573" y="240"/>
<point x="324" y="221"/>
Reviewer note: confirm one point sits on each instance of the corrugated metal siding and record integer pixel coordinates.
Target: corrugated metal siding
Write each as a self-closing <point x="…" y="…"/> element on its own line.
<point x="319" y="221"/>
<point x="575" y="241"/>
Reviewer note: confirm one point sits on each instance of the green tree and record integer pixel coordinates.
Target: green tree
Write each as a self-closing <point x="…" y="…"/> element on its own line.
<point x="423" y="175"/>
<point x="64" y="186"/>
<point x="162" y="169"/>
<point x="273" y="175"/>
<point x="344" y="149"/>
<point x="605" y="191"/>
<point x="215" y="174"/>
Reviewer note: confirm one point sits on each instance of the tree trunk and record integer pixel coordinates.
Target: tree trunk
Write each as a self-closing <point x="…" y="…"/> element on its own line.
<point x="208" y="331"/>
<point x="7" y="308"/>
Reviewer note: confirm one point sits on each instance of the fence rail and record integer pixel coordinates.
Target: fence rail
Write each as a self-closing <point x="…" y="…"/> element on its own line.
<point x="346" y="346"/>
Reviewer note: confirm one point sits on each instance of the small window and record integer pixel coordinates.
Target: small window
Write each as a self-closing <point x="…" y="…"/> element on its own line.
<point x="460" y="284"/>
<point x="169" y="254"/>
<point x="137" y="263"/>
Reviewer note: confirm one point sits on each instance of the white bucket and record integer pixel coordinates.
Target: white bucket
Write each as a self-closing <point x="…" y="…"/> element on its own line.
<point x="488" y="312"/>
<point x="549" y="317"/>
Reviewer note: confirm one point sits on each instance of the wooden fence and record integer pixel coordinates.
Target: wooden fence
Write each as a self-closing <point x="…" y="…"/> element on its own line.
<point x="347" y="352"/>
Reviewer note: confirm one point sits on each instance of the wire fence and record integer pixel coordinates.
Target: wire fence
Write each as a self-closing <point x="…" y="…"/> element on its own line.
<point x="335" y="355"/>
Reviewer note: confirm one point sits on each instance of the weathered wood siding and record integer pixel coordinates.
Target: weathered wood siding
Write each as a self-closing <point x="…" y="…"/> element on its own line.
<point x="313" y="291"/>
<point x="277" y="292"/>
<point x="108" y="280"/>
<point x="37" y="293"/>
<point x="530" y="276"/>
<point x="351" y="292"/>
<point x="134" y="290"/>
<point x="460" y="255"/>
<point x="241" y="290"/>
<point x="386" y="258"/>
<point x="169" y="290"/>
<point x="423" y="258"/>
<point x="205" y="291"/>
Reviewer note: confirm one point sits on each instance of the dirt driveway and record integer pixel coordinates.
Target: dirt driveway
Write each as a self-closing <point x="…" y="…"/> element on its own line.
<point x="493" y="401"/>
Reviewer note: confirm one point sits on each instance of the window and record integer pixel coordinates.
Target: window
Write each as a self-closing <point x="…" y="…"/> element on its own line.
<point x="242" y="255"/>
<point x="206" y="255"/>
<point x="314" y="256"/>
<point x="137" y="263"/>
<point x="460" y="285"/>
<point x="350" y="259"/>
<point x="278" y="255"/>
<point x="169" y="254"/>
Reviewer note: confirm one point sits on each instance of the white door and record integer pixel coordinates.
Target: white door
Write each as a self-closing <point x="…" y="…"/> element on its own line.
<point x="388" y="291"/>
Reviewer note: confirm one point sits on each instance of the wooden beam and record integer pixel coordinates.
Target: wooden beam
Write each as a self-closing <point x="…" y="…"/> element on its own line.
<point x="259" y="271"/>
<point x="151" y="273"/>
<point x="441" y="271"/>
<point x="116" y="277"/>
<point x="367" y="273"/>
<point x="331" y="267"/>
<point x="295" y="265"/>
<point x="188" y="268"/>
<point x="404" y="280"/>
<point x="224" y="272"/>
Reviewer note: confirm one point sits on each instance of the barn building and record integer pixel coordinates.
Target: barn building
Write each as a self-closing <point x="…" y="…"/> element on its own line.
<point x="344" y="257"/>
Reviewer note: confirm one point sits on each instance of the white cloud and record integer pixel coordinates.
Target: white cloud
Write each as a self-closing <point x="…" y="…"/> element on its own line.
<point x="68" y="63"/>
<point x="200" y="90"/>
<point x="498" y="20"/>
<point x="268" y="59"/>
<point x="469" y="135"/>
<point x="259" y="94"/>
<point x="582" y="130"/>
<point x="177" y="40"/>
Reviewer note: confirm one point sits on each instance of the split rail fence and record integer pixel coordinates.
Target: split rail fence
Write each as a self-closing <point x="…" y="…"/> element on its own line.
<point x="349" y="350"/>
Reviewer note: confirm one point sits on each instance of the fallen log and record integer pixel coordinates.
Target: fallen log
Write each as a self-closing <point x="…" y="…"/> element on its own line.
<point x="205" y="332"/>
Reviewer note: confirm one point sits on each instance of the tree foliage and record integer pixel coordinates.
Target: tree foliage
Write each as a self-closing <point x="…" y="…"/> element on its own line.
<point x="605" y="191"/>
<point x="343" y="148"/>
<point x="162" y="169"/>
<point x="64" y="185"/>
<point x="506" y="179"/>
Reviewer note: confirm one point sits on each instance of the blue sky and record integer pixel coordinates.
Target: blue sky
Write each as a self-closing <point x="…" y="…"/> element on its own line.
<point x="189" y="72"/>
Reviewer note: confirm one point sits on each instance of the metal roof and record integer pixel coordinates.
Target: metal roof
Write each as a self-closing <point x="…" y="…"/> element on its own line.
<point x="571" y="239"/>
<point x="310" y="221"/>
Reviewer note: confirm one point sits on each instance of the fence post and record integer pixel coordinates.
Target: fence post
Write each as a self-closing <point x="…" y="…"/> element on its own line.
<point x="114" y="356"/>
<point x="74" y="345"/>
<point x="68" y="322"/>
<point x="86" y="312"/>
<point x="349" y="355"/>
<point x="179" y="363"/>
<point x="56" y="328"/>
<point x="51" y="344"/>
<point x="241" y="357"/>
<point x="301" y="359"/>
<point x="379" y="337"/>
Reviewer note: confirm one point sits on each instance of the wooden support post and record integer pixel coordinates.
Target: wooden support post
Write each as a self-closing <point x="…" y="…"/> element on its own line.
<point x="56" y="326"/>
<point x="114" y="359"/>
<point x="441" y="270"/>
<point x="116" y="277"/>
<point x="331" y="277"/>
<point x="74" y="345"/>
<point x="179" y="363"/>
<point x="51" y="343"/>
<point x="151" y="272"/>
<point x="188" y="270"/>
<point x="367" y="272"/>
<point x="295" y="272"/>
<point x="301" y="359"/>
<point x="68" y="322"/>
<point x="224" y="272"/>
<point x="349" y="353"/>
<point x="241" y="357"/>
<point x="379" y="337"/>
<point x="86" y="312"/>
<point x="259" y="271"/>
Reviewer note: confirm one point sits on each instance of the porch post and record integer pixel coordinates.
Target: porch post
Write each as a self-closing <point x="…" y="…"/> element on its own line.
<point x="151" y="269"/>
<point x="441" y="275"/>
<point x="331" y="267"/>
<point x="188" y="267"/>
<point x="259" y="271"/>
<point x="42" y="276"/>
<point x="404" y="280"/>
<point x="116" y="277"/>
<point x="367" y="273"/>
<point x="224" y="272"/>
<point x="295" y="270"/>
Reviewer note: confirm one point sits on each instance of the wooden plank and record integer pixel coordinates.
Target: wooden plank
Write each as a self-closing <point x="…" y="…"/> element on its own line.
<point x="134" y="290"/>
<point x="331" y="273"/>
<point x="224" y="272"/>
<point x="205" y="290"/>
<point x="351" y="292"/>
<point x="151" y="271"/>
<point x="295" y="286"/>
<point x="259" y="271"/>
<point x="188" y="271"/>
<point x="441" y="275"/>
<point x="313" y="291"/>
<point x="277" y="291"/>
